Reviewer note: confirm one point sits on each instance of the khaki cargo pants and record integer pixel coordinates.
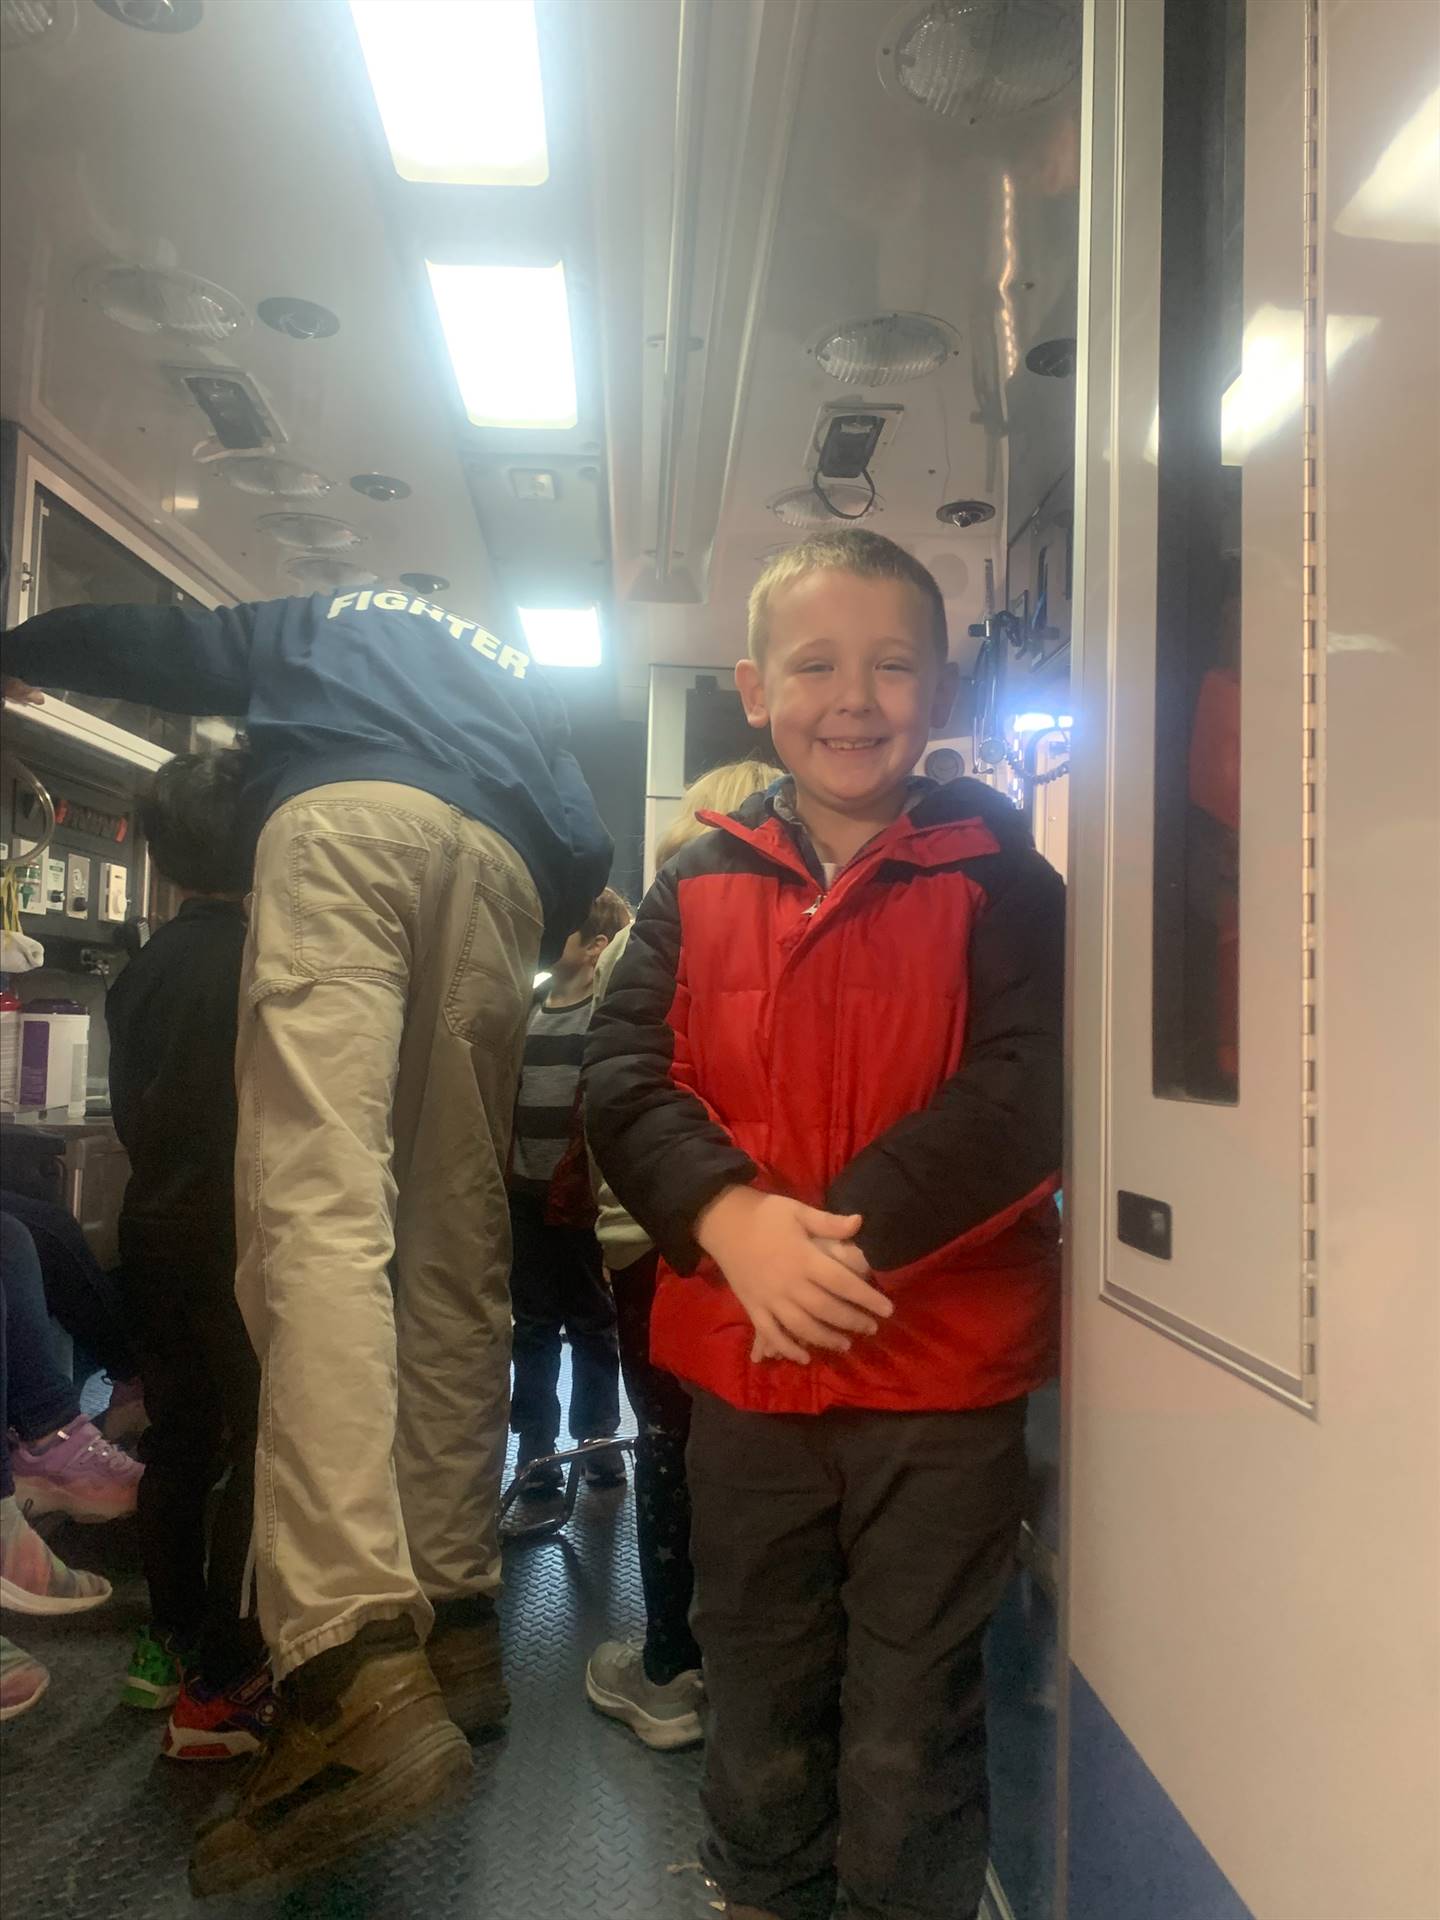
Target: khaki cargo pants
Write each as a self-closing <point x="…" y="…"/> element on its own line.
<point x="387" y="980"/>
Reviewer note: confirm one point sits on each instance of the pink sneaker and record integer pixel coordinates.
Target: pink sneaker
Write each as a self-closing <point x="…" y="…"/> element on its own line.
<point x="22" y="1680"/>
<point x="78" y="1472"/>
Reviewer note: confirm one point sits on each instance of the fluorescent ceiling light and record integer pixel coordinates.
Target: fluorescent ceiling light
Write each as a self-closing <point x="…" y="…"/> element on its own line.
<point x="1401" y="198"/>
<point x="508" y="332"/>
<point x="562" y="636"/>
<point x="457" y="83"/>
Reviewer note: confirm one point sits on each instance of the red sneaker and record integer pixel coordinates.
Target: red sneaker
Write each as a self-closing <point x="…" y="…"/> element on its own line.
<point x="215" y="1723"/>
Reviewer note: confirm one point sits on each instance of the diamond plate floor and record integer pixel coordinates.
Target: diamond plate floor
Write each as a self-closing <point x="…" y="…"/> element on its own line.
<point x="568" y="1815"/>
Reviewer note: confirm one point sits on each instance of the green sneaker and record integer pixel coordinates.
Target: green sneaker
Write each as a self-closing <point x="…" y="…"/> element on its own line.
<point x="153" y="1681"/>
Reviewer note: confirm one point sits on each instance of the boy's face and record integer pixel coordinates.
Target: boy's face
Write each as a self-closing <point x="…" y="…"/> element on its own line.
<point x="851" y="686"/>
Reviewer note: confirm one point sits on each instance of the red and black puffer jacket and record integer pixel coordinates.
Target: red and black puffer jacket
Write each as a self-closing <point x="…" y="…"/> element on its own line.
<point x="889" y="1047"/>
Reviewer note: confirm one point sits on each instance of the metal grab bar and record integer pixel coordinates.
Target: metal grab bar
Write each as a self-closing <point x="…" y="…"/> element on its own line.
<point x="47" y="807"/>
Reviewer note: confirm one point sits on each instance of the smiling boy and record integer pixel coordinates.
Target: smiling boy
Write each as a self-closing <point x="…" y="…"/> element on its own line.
<point x="827" y="1082"/>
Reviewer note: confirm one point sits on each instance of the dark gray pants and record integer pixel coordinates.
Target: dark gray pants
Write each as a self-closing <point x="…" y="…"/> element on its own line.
<point x="846" y="1566"/>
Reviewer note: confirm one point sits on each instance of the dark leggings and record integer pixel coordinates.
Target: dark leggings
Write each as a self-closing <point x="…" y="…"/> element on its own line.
<point x="36" y="1397"/>
<point x="81" y="1295"/>
<point x="662" y="1492"/>
<point x="202" y="1393"/>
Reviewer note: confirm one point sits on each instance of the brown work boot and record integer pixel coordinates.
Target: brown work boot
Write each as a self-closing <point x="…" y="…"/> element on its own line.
<point x="363" y="1746"/>
<point x="464" y="1654"/>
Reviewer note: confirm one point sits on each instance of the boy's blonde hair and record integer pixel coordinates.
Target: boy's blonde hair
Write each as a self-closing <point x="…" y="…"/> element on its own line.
<point x="721" y="790"/>
<point x="845" y="550"/>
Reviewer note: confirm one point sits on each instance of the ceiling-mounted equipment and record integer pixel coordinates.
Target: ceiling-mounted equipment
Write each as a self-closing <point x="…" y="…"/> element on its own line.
<point x="849" y="446"/>
<point x="23" y="22"/>
<point x="424" y="582"/>
<point x="885" y="349"/>
<point x="263" y="473"/>
<point x="983" y="60"/>
<point x="965" y="513"/>
<point x="163" y="300"/>
<point x="380" y="486"/>
<point x="155" y="16"/>
<point x="534" y="483"/>
<point x="297" y="319"/>
<point x="239" y="417"/>
<point x="310" y="532"/>
<point x="320" y="570"/>
<point x="944" y="765"/>
<point x="803" y="506"/>
<point x="1054" y="359"/>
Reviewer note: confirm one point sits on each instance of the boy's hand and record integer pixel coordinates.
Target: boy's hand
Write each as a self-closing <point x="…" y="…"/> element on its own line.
<point x="16" y="693"/>
<point x="797" y="1292"/>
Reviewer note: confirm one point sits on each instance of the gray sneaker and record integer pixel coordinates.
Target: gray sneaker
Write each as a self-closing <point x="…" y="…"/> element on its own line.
<point x="663" y="1717"/>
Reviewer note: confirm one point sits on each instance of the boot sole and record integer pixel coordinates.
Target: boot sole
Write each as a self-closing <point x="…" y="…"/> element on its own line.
<point x="664" y="1736"/>
<point x="431" y="1774"/>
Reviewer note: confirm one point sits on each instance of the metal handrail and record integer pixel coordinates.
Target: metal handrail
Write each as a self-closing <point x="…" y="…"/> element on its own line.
<point x="47" y="807"/>
<point x="574" y="1459"/>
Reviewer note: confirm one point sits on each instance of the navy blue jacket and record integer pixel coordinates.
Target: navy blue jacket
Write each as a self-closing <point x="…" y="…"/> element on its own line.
<point x="347" y="686"/>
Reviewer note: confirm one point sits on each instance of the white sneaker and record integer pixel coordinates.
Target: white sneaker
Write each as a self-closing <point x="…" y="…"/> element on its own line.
<point x="663" y="1717"/>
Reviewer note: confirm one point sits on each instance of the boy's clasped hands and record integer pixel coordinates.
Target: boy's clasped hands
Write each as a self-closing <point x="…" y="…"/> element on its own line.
<point x="796" y="1270"/>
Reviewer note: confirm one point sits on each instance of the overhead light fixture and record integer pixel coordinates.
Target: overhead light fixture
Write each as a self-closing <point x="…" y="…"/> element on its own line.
<point x="297" y="319"/>
<point x="886" y="349"/>
<point x="273" y="478"/>
<point x="310" y="532"/>
<point x="562" y="636"/>
<point x="380" y="486"/>
<point x="803" y="507"/>
<point x="508" y="334"/>
<point x="426" y="583"/>
<point x="457" y="83"/>
<point x="983" y="60"/>
<point x="152" y="300"/>
<point x="318" y="571"/>
<point x="1400" y="198"/>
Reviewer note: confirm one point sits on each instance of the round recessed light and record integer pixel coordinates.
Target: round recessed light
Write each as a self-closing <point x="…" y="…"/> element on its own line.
<point x="297" y="319"/>
<point x="965" y="513"/>
<point x="803" y="507"/>
<point x="310" y="531"/>
<point x="320" y="570"/>
<point x="886" y="349"/>
<point x="984" y="60"/>
<point x="264" y="473"/>
<point x="155" y="16"/>
<point x="944" y="764"/>
<point x="1053" y="358"/>
<point x="381" y="486"/>
<point x="23" y="22"/>
<point x="156" y="300"/>
<point x="424" y="582"/>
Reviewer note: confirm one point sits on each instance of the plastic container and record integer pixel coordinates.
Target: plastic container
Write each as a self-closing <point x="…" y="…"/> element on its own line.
<point x="54" y="1057"/>
<point x="10" y="1023"/>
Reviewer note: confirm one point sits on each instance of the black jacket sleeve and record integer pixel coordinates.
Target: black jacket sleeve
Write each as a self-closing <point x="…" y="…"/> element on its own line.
<point x="991" y="1137"/>
<point x="181" y="659"/>
<point x="663" y="1151"/>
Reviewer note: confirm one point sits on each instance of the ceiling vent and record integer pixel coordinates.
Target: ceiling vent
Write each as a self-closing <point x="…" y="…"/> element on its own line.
<point x="155" y="16"/>
<point x="381" y="486"/>
<point x="297" y="319"/>
<point x="239" y="418"/>
<point x="311" y="532"/>
<point x="154" y="300"/>
<point x="424" y="582"/>
<point x="804" y="507"/>
<point x="980" y="61"/>
<point x="263" y="473"/>
<point x="886" y="349"/>
<point x="317" y="571"/>
<point x="23" y="22"/>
